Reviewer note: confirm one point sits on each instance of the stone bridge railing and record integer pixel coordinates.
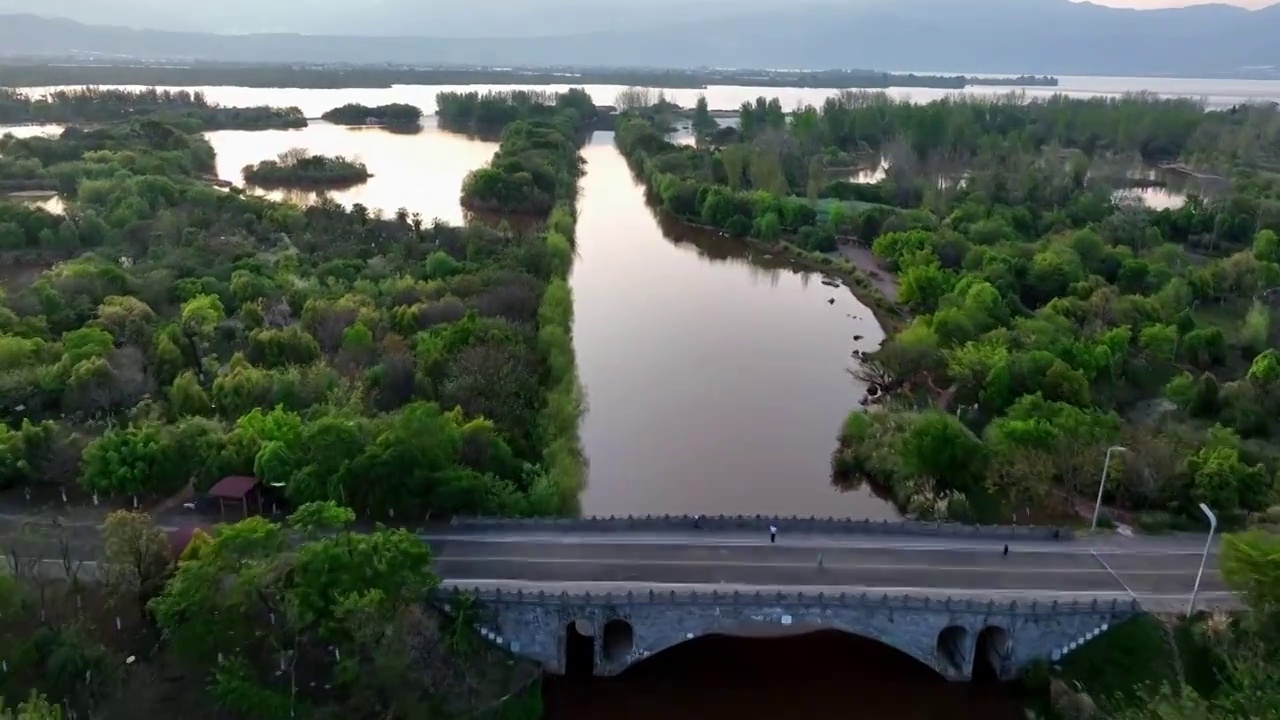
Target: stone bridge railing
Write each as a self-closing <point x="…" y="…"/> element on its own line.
<point x="761" y="523"/>
<point x="945" y="634"/>
<point x="868" y="601"/>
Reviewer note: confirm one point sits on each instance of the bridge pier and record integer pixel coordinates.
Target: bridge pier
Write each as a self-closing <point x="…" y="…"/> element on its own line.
<point x="947" y="635"/>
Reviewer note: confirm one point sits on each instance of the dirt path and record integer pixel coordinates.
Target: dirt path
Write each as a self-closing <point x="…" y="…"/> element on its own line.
<point x="870" y="266"/>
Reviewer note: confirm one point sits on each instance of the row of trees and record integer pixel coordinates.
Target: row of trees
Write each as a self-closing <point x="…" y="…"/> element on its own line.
<point x="957" y="127"/>
<point x="489" y="112"/>
<point x="537" y="165"/>
<point x="103" y="105"/>
<point x="297" y="168"/>
<point x="800" y="156"/>
<point x="196" y="307"/>
<point x="682" y="180"/>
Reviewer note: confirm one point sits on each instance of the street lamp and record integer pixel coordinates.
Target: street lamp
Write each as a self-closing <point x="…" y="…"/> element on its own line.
<point x="1102" y="484"/>
<point x="1213" y="525"/>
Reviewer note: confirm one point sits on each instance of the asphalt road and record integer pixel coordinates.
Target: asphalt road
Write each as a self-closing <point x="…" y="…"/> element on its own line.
<point x="1158" y="573"/>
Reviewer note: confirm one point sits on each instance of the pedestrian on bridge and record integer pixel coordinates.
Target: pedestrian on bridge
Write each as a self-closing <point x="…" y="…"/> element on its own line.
<point x="773" y="533"/>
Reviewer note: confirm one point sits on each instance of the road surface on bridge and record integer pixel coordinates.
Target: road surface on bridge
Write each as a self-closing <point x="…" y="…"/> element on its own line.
<point x="1158" y="572"/>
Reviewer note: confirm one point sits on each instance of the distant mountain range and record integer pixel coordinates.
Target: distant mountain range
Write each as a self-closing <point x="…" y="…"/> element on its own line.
<point x="984" y="36"/>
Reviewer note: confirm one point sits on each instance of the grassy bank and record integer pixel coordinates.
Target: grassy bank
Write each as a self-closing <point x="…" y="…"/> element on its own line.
<point x="565" y="472"/>
<point x="1117" y="672"/>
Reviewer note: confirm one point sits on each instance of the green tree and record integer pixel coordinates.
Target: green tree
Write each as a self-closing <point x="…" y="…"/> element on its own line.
<point x="186" y="397"/>
<point x="134" y="460"/>
<point x="940" y="447"/>
<point x="339" y="598"/>
<point x="1251" y="565"/>
<point x="703" y="124"/>
<point x="1266" y="246"/>
<point x="135" y="556"/>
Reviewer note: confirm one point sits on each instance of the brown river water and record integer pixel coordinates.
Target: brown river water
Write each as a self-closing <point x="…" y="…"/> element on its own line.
<point x="716" y="380"/>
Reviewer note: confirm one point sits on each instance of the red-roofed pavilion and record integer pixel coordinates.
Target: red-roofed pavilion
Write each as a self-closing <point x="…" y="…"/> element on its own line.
<point x="236" y="489"/>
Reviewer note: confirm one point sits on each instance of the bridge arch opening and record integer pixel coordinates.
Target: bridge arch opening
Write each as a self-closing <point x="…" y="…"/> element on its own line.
<point x="754" y="648"/>
<point x="579" y="649"/>
<point x="991" y="654"/>
<point x="617" y="641"/>
<point x="950" y="651"/>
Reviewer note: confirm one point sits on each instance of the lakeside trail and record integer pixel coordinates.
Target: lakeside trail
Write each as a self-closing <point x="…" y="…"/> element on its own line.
<point x="862" y="258"/>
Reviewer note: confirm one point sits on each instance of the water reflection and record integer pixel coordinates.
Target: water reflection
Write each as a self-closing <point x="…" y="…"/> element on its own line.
<point x="422" y="172"/>
<point x="1155" y="197"/>
<point x="820" y="675"/>
<point x="716" y="377"/>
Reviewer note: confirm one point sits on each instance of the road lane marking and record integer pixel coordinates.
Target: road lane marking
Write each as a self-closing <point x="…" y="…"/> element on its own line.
<point x="891" y="543"/>
<point x="813" y="565"/>
<point x="1123" y="584"/>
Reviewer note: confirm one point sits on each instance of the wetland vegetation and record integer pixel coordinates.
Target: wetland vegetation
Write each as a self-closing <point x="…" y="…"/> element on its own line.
<point x="297" y="168"/>
<point x="393" y="115"/>
<point x="1047" y="321"/>
<point x="190" y="110"/>
<point x="188" y="333"/>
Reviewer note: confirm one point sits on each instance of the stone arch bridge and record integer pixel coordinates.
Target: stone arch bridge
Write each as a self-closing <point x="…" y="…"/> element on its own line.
<point x="948" y="635"/>
<point x="950" y="596"/>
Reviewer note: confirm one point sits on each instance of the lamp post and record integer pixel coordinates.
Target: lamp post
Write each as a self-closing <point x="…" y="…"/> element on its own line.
<point x="1213" y="525"/>
<point x="1102" y="484"/>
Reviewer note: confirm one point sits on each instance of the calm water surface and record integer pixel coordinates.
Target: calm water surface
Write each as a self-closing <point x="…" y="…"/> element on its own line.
<point x="421" y="172"/>
<point x="1216" y="92"/>
<point x="716" y="380"/>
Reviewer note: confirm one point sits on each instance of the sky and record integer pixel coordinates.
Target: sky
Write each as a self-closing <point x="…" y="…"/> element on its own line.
<point x="1149" y="4"/>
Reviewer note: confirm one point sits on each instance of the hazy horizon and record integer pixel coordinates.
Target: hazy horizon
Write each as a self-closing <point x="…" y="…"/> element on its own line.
<point x="982" y="36"/>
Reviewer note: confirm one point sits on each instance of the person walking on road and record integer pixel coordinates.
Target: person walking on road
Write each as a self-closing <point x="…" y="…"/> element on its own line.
<point x="697" y="521"/>
<point x="773" y="533"/>
<point x="1006" y="550"/>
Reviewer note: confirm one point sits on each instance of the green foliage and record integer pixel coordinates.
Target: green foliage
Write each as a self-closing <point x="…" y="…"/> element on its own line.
<point x="537" y="163"/>
<point x="297" y="168"/>
<point x="35" y="707"/>
<point x="340" y="598"/>
<point x="92" y="104"/>
<point x="391" y="114"/>
<point x="1251" y="565"/>
<point x="135" y="460"/>
<point x="305" y="345"/>
<point x="21" y="451"/>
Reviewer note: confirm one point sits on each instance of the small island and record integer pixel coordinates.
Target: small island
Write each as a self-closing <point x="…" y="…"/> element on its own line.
<point x="297" y="168"/>
<point x="396" y="116"/>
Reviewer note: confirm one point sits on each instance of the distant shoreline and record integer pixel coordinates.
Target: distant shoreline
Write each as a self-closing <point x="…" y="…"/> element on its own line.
<point x="52" y="72"/>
